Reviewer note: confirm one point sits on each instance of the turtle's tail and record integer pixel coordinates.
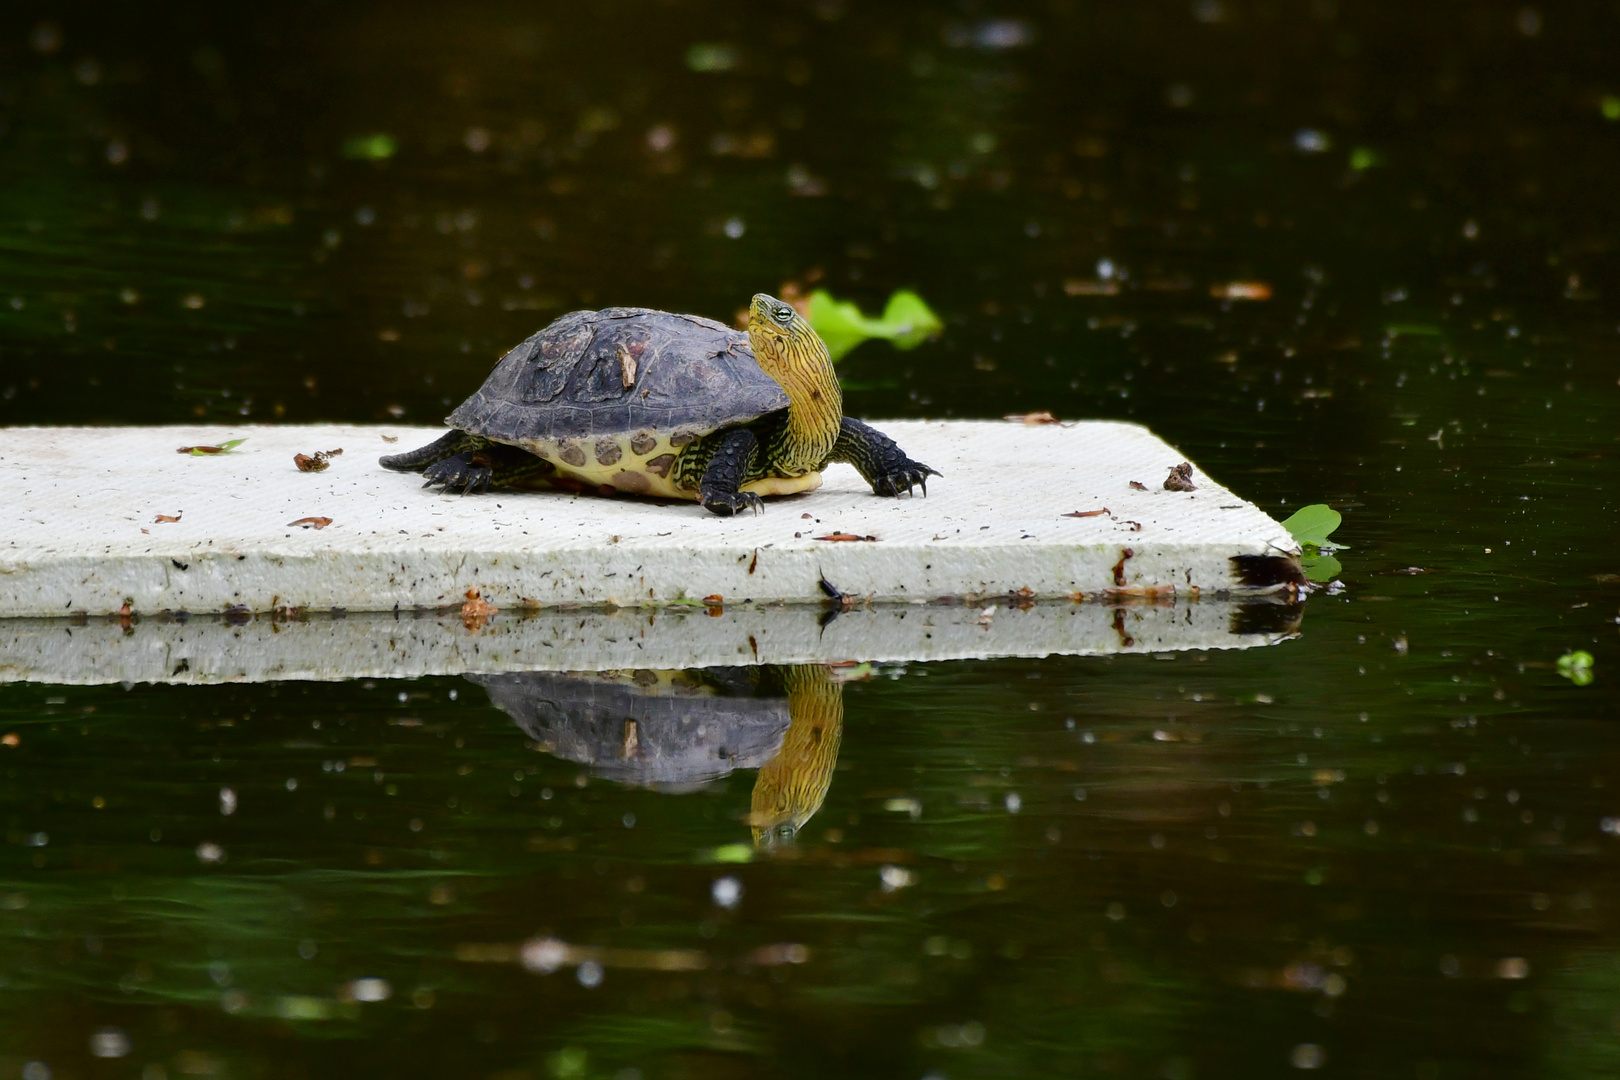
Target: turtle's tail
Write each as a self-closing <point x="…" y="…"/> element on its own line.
<point x="448" y="445"/>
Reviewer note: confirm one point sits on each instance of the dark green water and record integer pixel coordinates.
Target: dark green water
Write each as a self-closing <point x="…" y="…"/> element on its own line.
<point x="1377" y="849"/>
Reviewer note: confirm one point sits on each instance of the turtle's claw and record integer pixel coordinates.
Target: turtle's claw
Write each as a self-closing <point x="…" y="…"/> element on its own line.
<point x="458" y="472"/>
<point x="908" y="475"/>
<point x="730" y="503"/>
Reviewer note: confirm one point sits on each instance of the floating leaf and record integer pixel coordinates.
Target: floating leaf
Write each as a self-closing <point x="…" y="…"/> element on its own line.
<point x="374" y="147"/>
<point x="1576" y="667"/>
<point x="727" y="853"/>
<point x="906" y="322"/>
<point x="711" y="56"/>
<point x="1321" y="568"/>
<point x="1312" y="525"/>
<point x="1365" y="157"/>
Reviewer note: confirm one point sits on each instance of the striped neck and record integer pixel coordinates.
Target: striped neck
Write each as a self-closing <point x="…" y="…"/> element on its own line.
<point x="815" y="409"/>
<point x="792" y="353"/>
<point x="791" y="786"/>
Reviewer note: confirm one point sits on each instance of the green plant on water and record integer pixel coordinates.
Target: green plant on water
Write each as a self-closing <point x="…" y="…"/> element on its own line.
<point x="1310" y="526"/>
<point x="712" y="56"/>
<point x="1576" y="667"/>
<point x="1365" y="157"/>
<point x="374" y="147"/>
<point x="569" y="1061"/>
<point x="906" y="322"/>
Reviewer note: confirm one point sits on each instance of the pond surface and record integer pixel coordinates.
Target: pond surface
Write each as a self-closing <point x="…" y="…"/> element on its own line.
<point x="1354" y="253"/>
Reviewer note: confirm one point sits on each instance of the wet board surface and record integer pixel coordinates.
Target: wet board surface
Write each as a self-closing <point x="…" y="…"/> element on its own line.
<point x="85" y="529"/>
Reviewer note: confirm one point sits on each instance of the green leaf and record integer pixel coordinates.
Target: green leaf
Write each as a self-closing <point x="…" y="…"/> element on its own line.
<point x="711" y="56"/>
<point x="727" y="853"/>
<point x="224" y="448"/>
<point x="1576" y="667"/>
<point x="375" y="147"/>
<point x="911" y="321"/>
<point x="1311" y="526"/>
<point x="1321" y="568"/>
<point x="906" y="321"/>
<point x="1365" y="157"/>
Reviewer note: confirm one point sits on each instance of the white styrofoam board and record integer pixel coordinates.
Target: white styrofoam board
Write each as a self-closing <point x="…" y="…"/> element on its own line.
<point x="78" y="528"/>
<point x="245" y="648"/>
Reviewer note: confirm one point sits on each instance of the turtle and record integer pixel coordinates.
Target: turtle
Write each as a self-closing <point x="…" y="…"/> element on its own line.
<point x="678" y="731"/>
<point x="643" y="402"/>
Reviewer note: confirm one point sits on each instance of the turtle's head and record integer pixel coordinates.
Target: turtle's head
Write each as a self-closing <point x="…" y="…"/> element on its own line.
<point x="792" y="353"/>
<point x="783" y="340"/>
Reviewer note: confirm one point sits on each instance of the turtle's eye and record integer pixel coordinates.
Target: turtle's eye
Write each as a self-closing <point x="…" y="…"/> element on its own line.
<point x="784" y="315"/>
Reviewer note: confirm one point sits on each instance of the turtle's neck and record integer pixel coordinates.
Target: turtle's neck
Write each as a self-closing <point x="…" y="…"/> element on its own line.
<point x="790" y="351"/>
<point x="815" y="408"/>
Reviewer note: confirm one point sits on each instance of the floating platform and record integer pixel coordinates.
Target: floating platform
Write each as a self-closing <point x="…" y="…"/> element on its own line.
<point x="103" y="521"/>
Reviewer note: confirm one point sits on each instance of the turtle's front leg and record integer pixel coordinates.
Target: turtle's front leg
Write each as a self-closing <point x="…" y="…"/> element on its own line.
<point x="727" y="471"/>
<point x="878" y="459"/>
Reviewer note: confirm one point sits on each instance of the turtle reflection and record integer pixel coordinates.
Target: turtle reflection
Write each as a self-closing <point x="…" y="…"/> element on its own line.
<point x="675" y="731"/>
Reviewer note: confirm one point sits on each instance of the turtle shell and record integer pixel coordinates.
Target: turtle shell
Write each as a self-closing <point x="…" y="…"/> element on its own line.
<point x="647" y="729"/>
<point x="617" y="373"/>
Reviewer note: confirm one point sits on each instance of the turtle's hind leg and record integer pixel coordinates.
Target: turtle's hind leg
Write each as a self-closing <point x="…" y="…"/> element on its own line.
<point x="447" y="445"/>
<point x="483" y="465"/>
<point x="879" y="459"/>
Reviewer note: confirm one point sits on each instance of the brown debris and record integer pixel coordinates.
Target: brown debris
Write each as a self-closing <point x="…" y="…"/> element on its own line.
<point x="201" y="450"/>
<point x="1088" y="513"/>
<point x="1119" y="567"/>
<point x="319" y="460"/>
<point x="1031" y="419"/>
<point x="627" y="366"/>
<point x="1138" y="486"/>
<point x="162" y="519"/>
<point x="1180" y="478"/>
<point x="845" y="537"/>
<point x="311" y="522"/>
<point x="1241" y="290"/>
<point x="390" y="438"/>
<point x="476" y="611"/>
<point x="1090" y="287"/>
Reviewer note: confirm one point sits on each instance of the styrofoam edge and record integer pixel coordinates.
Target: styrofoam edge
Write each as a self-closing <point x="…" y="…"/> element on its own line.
<point x="619" y="575"/>
<point x="248" y="649"/>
